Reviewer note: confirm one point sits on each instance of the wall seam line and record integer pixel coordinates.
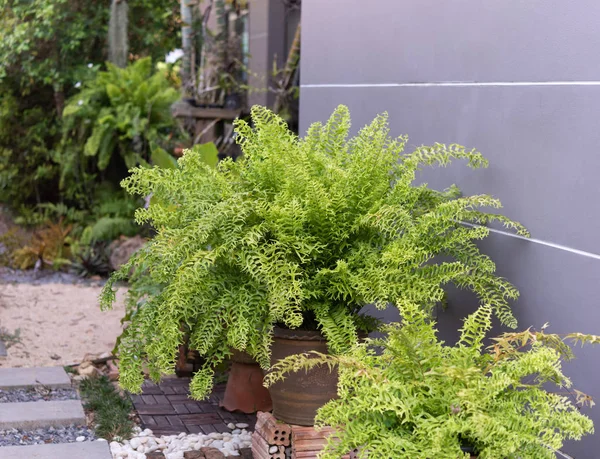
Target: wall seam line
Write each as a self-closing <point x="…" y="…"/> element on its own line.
<point x="541" y="242"/>
<point x="451" y="84"/>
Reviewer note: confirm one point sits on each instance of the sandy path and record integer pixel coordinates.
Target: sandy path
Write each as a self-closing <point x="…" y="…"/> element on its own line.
<point x="57" y="319"/>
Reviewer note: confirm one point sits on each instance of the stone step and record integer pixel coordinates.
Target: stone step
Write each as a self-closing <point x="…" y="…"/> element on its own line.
<point x="33" y="415"/>
<point x="83" y="450"/>
<point x="19" y="378"/>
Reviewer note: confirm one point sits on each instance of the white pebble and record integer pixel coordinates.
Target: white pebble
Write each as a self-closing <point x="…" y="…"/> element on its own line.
<point x="241" y="425"/>
<point x="273" y="449"/>
<point x="173" y="446"/>
<point x="231" y="425"/>
<point x="134" y="443"/>
<point x="80" y="438"/>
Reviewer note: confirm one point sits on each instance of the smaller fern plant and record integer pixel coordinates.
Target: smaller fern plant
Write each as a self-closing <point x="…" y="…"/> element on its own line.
<point x="418" y="398"/>
<point x="121" y="117"/>
<point x="300" y="232"/>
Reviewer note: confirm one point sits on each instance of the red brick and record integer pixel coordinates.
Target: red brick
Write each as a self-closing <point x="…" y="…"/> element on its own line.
<point x="260" y="447"/>
<point x="274" y="432"/>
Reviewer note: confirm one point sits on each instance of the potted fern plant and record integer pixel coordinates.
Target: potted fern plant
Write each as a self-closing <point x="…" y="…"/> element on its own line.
<point x="419" y="398"/>
<point x="290" y="242"/>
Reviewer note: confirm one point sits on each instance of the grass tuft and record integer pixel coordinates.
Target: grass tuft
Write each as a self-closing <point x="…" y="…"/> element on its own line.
<point x="111" y="410"/>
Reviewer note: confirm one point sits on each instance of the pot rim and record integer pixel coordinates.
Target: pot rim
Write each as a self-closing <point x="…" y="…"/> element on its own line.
<point x="301" y="335"/>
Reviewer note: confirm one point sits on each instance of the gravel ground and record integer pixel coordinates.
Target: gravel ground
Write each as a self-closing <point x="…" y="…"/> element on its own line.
<point x="70" y="434"/>
<point x="58" y="323"/>
<point x="35" y="395"/>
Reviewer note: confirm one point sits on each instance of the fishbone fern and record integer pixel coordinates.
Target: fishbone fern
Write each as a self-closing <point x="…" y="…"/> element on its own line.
<point x="298" y="232"/>
<point x="422" y="399"/>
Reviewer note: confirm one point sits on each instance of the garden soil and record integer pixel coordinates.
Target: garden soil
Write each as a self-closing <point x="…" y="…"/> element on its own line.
<point x="59" y="323"/>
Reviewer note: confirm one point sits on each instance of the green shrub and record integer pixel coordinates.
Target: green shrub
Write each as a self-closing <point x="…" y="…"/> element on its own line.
<point x="45" y="49"/>
<point x="423" y="399"/>
<point x="117" y="120"/>
<point x="28" y="173"/>
<point x="300" y="233"/>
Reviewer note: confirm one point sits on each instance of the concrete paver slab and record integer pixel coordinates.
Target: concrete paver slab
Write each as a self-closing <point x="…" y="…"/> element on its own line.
<point x="18" y="378"/>
<point x="33" y="415"/>
<point x="83" y="450"/>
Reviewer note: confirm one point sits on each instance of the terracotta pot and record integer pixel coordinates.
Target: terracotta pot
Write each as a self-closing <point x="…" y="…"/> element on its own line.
<point x="244" y="390"/>
<point x="297" y="398"/>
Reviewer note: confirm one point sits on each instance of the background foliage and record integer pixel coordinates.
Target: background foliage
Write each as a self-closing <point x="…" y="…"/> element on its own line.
<point x="46" y="47"/>
<point x="68" y="129"/>
<point x="114" y="123"/>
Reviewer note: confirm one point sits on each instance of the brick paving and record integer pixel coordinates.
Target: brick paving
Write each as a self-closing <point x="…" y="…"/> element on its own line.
<point x="166" y="409"/>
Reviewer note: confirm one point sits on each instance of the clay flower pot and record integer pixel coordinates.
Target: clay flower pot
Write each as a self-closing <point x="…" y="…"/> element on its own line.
<point x="297" y="398"/>
<point x="244" y="390"/>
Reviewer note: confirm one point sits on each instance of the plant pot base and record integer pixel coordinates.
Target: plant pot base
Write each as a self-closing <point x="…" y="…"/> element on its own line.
<point x="245" y="391"/>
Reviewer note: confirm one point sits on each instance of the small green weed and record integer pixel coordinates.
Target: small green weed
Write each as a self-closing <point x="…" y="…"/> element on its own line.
<point x="69" y="369"/>
<point x="111" y="411"/>
<point x="8" y="338"/>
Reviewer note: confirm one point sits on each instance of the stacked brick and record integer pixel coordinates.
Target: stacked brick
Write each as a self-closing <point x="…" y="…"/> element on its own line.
<point x="273" y="439"/>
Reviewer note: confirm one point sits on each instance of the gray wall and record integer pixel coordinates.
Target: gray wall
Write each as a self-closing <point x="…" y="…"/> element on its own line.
<point x="270" y="34"/>
<point x="518" y="80"/>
